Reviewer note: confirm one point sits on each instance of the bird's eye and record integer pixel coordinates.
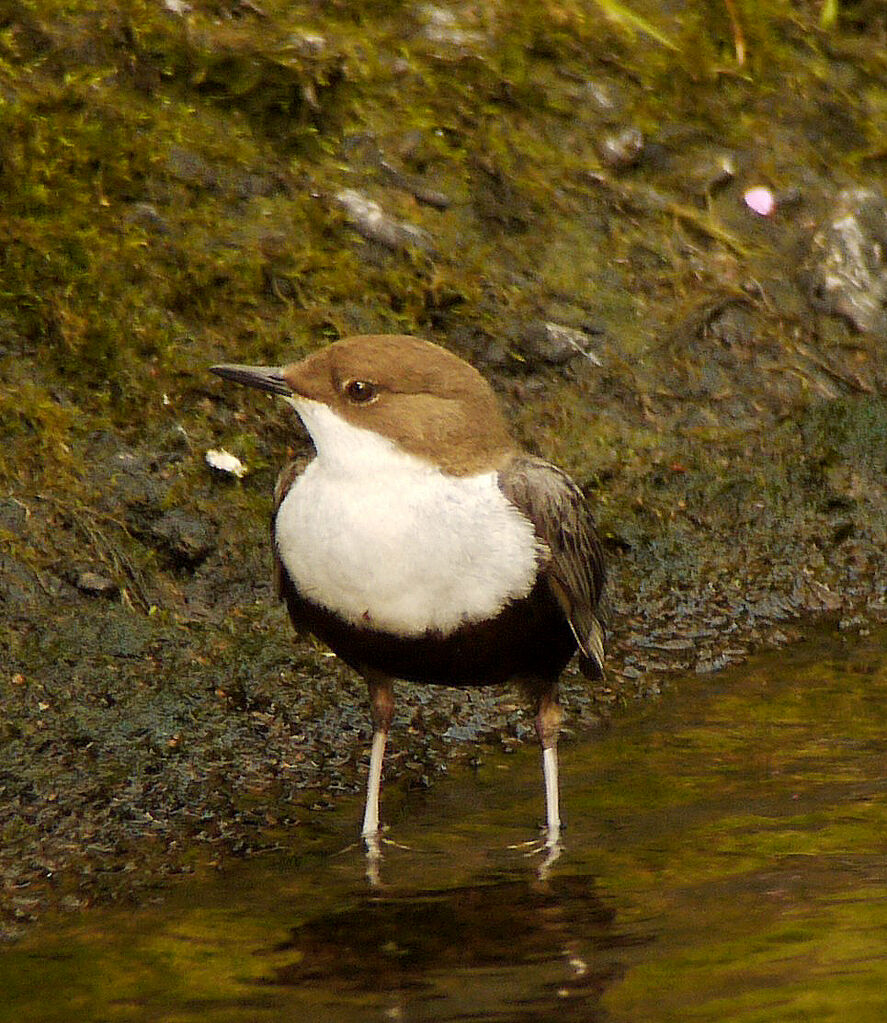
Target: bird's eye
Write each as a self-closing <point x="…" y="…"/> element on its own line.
<point x="361" y="392"/>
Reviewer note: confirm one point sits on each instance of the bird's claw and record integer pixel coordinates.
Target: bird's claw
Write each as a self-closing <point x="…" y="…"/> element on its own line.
<point x="547" y="845"/>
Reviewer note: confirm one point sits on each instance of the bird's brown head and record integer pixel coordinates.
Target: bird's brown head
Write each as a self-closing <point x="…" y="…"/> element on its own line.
<point x="427" y="400"/>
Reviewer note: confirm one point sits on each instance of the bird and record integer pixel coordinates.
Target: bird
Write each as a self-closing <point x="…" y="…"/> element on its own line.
<point x="422" y="544"/>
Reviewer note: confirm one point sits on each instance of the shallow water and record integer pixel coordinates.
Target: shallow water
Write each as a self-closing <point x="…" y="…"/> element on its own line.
<point x="725" y="859"/>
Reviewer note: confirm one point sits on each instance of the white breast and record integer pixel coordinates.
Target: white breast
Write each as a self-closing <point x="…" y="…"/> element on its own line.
<point x="390" y="542"/>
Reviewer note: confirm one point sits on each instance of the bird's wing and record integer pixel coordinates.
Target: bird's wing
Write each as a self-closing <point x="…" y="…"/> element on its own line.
<point x="285" y="480"/>
<point x="575" y="568"/>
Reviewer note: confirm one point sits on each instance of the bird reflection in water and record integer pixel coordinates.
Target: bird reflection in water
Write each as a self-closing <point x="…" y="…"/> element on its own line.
<point x="535" y="947"/>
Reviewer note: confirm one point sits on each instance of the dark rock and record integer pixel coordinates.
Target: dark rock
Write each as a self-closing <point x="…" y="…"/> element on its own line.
<point x="497" y="196"/>
<point x="732" y="325"/>
<point x="621" y="149"/>
<point x="705" y="175"/>
<point x="186" y="539"/>
<point x="96" y="585"/>
<point x="176" y="442"/>
<point x="129" y="481"/>
<point x="417" y="187"/>
<point x="553" y="344"/>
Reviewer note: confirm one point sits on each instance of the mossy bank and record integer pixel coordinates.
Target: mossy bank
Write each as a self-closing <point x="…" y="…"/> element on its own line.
<point x="556" y="191"/>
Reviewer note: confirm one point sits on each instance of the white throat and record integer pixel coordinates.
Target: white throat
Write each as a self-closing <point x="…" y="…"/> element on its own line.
<point x="389" y="541"/>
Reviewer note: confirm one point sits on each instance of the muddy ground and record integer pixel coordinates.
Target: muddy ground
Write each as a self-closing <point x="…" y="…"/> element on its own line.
<point x="562" y="195"/>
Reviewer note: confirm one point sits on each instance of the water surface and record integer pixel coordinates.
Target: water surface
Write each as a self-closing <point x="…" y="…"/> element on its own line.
<point x="725" y="859"/>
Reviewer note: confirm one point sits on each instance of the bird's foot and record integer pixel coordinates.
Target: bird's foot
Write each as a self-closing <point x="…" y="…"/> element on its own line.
<point x="549" y="838"/>
<point x="396" y="845"/>
<point x="552" y="851"/>
<point x="530" y="847"/>
<point x="535" y="846"/>
<point x="548" y="845"/>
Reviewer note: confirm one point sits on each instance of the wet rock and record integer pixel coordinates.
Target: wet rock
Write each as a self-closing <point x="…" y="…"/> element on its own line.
<point x="374" y="224"/>
<point x="553" y="344"/>
<point x="848" y="262"/>
<point x="812" y="595"/>
<point x="621" y="149"/>
<point x="186" y="539"/>
<point x="461" y="733"/>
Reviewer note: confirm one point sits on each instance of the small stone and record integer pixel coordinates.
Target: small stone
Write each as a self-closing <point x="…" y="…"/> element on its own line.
<point x="96" y="585"/>
<point x="223" y="461"/>
<point x="621" y="149"/>
<point x="732" y="325"/>
<point x="146" y="215"/>
<point x="371" y="221"/>
<point x="878" y="610"/>
<point x="187" y="539"/>
<point x="554" y="343"/>
<point x="717" y="174"/>
<point x="603" y="97"/>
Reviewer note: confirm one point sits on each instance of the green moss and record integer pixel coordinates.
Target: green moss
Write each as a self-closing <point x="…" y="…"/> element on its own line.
<point x="168" y="200"/>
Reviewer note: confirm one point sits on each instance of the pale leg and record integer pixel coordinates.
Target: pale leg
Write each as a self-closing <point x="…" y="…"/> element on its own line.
<point x="382" y="708"/>
<point x="374" y="784"/>
<point x="548" y="724"/>
<point x="552" y="803"/>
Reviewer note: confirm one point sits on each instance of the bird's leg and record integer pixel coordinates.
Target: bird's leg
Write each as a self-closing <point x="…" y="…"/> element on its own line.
<point x="548" y="723"/>
<point x="382" y="709"/>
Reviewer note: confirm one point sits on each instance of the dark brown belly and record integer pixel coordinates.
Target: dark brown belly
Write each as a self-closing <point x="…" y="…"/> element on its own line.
<point x="529" y="638"/>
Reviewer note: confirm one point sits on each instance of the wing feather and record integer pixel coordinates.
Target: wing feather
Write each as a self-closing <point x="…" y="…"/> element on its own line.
<point x="575" y="569"/>
<point x="285" y="480"/>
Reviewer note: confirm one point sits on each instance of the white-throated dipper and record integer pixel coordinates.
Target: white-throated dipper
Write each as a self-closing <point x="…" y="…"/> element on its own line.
<point x="422" y="544"/>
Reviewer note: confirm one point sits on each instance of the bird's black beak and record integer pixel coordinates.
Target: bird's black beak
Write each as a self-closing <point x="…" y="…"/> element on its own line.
<point x="266" y="378"/>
